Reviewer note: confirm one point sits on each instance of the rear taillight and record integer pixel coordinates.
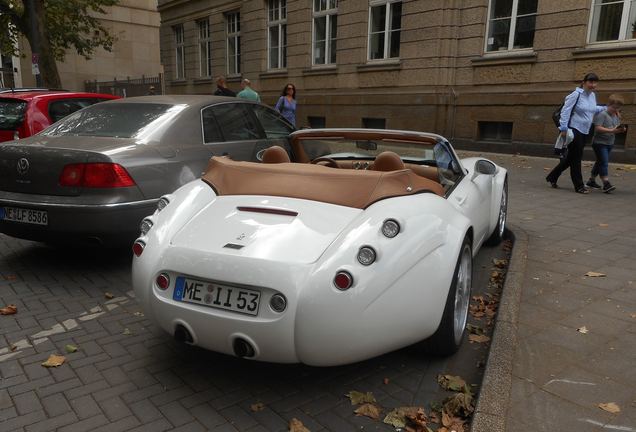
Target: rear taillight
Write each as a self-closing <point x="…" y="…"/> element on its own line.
<point x="95" y="175"/>
<point x="163" y="281"/>
<point x="138" y="247"/>
<point x="343" y="280"/>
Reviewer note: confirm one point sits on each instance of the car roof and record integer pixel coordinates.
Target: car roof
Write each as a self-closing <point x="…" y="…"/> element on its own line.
<point x="43" y="94"/>
<point x="189" y="100"/>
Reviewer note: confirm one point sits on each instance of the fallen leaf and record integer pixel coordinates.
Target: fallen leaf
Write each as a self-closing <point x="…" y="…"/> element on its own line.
<point x="70" y="348"/>
<point x="478" y="338"/>
<point x="127" y="331"/>
<point x="459" y="405"/>
<point x="451" y="382"/>
<point x="595" y="274"/>
<point x="500" y="263"/>
<point x="109" y="295"/>
<point x="259" y="406"/>
<point x="452" y="423"/>
<point x="610" y="407"/>
<point x="358" y="398"/>
<point x="397" y="417"/>
<point x="54" y="360"/>
<point x="9" y="310"/>
<point x="583" y="330"/>
<point x="473" y="329"/>
<point x="369" y="410"/>
<point x="417" y="422"/>
<point x="13" y="347"/>
<point x="385" y="381"/>
<point x="296" y="425"/>
<point x="138" y="314"/>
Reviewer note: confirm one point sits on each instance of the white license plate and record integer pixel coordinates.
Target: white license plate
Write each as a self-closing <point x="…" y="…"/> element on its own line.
<point x="15" y="214"/>
<point x="211" y="294"/>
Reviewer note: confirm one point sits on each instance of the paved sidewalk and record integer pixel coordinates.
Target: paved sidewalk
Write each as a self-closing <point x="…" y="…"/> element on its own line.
<point x="576" y="337"/>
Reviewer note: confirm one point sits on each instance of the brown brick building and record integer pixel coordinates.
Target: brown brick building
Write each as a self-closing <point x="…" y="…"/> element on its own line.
<point x="489" y="71"/>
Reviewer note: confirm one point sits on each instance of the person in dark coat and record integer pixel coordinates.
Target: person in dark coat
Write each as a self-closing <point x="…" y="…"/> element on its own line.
<point x="221" y="88"/>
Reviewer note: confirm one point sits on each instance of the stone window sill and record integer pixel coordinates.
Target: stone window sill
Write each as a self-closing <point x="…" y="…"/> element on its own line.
<point x="179" y="82"/>
<point x="615" y="49"/>
<point x="234" y="78"/>
<point x="321" y="70"/>
<point x="379" y="66"/>
<point x="505" y="58"/>
<point x="274" y="74"/>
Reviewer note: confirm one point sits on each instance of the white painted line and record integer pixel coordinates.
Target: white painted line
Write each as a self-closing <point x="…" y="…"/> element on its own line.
<point x="91" y="316"/>
<point x="57" y="328"/>
<point x="568" y="382"/>
<point x="110" y="307"/>
<point x="70" y="324"/>
<point x="609" y="426"/>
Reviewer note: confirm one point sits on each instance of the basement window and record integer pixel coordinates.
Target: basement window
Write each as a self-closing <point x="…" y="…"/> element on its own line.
<point x="495" y="131"/>
<point x="374" y="123"/>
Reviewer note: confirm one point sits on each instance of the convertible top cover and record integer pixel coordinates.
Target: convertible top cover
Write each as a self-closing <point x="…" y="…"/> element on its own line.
<point x="350" y="188"/>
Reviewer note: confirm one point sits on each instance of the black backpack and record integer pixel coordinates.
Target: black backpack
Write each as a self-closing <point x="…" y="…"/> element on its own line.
<point x="556" y="115"/>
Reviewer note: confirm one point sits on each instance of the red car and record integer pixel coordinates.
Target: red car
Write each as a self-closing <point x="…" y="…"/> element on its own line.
<point x="25" y="113"/>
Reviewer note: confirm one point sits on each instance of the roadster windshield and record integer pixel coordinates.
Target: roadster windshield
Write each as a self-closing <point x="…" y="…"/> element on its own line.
<point x="416" y="152"/>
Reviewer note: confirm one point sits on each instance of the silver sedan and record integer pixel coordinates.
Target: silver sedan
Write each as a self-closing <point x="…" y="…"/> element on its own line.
<point x="93" y="176"/>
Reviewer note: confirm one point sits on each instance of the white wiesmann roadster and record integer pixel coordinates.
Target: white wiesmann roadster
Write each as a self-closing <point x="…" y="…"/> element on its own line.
<point x="361" y="245"/>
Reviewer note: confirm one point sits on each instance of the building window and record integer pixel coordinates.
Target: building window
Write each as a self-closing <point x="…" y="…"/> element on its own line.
<point x="511" y="24"/>
<point x="325" y="31"/>
<point x="317" y="122"/>
<point x="233" y="43"/>
<point x="205" y="48"/>
<point x="179" y="48"/>
<point x="495" y="131"/>
<point x="277" y="34"/>
<point x="373" y="123"/>
<point x="385" y="24"/>
<point x="613" y="20"/>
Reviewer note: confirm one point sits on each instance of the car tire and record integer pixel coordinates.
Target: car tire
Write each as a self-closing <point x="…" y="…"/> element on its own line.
<point x="449" y="335"/>
<point x="498" y="234"/>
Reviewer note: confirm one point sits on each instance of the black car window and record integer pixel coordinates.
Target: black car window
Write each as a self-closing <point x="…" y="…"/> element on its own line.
<point x="273" y="123"/>
<point x="236" y="122"/>
<point x="122" y="120"/>
<point x="211" y="130"/>
<point x="11" y="113"/>
<point x="60" y="108"/>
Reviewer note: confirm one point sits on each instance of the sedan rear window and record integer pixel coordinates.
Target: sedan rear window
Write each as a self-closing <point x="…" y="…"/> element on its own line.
<point x="11" y="113"/>
<point x="119" y="120"/>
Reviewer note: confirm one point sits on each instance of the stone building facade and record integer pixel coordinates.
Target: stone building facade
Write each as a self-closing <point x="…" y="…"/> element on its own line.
<point x="135" y="24"/>
<point x="489" y="71"/>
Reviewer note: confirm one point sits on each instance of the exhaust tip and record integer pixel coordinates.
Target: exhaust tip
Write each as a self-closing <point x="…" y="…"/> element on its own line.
<point x="181" y="334"/>
<point x="243" y="348"/>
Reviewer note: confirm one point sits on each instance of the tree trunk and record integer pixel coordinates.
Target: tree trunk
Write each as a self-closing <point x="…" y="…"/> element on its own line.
<point x="48" y="68"/>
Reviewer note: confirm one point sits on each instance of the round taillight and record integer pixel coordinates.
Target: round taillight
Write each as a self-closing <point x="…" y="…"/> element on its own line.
<point x="138" y="247"/>
<point x="278" y="303"/>
<point x="390" y="228"/>
<point x="162" y="203"/>
<point x="163" y="281"/>
<point x="343" y="280"/>
<point x="366" y="255"/>
<point x="145" y="226"/>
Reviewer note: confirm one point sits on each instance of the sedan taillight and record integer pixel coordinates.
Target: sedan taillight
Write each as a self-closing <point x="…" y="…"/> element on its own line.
<point x="95" y="175"/>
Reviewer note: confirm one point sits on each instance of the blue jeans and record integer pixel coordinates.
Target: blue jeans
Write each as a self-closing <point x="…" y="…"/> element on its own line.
<point x="602" y="153"/>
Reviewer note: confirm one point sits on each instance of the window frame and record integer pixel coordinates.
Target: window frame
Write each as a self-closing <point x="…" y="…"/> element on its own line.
<point x="278" y="6"/>
<point x="625" y="23"/>
<point x="207" y="42"/>
<point x="236" y="35"/>
<point x="328" y="13"/>
<point x="178" y="34"/>
<point x="513" y="28"/>
<point x="387" y="29"/>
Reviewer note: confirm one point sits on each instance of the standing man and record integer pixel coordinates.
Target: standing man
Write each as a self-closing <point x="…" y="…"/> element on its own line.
<point x="221" y="88"/>
<point x="247" y="92"/>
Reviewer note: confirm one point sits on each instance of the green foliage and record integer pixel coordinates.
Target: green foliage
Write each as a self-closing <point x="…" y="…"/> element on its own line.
<point x="69" y="24"/>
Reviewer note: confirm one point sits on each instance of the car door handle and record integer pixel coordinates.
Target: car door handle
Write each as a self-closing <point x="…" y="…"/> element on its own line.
<point x="461" y="199"/>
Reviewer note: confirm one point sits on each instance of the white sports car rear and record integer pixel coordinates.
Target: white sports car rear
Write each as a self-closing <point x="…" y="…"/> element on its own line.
<point x="360" y="244"/>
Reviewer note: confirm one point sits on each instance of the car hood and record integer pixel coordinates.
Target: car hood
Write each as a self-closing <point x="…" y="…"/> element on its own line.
<point x="267" y="228"/>
<point x="74" y="142"/>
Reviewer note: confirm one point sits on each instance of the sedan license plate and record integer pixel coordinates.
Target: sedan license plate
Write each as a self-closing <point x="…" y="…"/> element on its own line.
<point x="211" y="294"/>
<point x="29" y="216"/>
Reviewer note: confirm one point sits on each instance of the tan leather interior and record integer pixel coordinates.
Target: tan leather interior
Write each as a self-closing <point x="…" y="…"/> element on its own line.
<point x="421" y="170"/>
<point x="387" y="161"/>
<point x="351" y="188"/>
<point x="275" y="154"/>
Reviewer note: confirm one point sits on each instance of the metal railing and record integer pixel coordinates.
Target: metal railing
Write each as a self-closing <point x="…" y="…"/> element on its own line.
<point x="127" y="87"/>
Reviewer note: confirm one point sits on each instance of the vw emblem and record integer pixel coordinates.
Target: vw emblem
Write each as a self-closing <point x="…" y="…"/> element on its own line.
<point x="23" y="166"/>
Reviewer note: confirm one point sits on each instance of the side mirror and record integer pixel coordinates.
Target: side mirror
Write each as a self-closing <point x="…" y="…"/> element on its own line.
<point x="484" y="167"/>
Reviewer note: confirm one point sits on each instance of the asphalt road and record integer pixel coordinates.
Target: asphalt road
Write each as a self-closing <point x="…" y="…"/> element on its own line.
<point x="128" y="375"/>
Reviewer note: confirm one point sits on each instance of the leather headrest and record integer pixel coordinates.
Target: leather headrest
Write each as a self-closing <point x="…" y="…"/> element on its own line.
<point x="388" y="161"/>
<point x="275" y="154"/>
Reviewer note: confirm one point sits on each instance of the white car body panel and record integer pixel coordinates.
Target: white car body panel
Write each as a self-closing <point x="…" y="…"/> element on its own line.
<point x="393" y="303"/>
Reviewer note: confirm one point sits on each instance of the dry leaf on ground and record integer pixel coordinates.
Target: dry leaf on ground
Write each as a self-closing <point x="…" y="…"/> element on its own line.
<point x="478" y="338"/>
<point x="451" y="423"/>
<point x="369" y="410"/>
<point x="451" y="382"/>
<point x="9" y="310"/>
<point x="54" y="360"/>
<point x="397" y="417"/>
<point x="610" y="407"/>
<point x="257" y="407"/>
<point x="500" y="263"/>
<point x="595" y="274"/>
<point x="70" y="348"/>
<point x="385" y="381"/>
<point x="109" y="296"/>
<point x="296" y="425"/>
<point x="459" y="405"/>
<point x="358" y="398"/>
<point x="127" y="332"/>
<point x="583" y="330"/>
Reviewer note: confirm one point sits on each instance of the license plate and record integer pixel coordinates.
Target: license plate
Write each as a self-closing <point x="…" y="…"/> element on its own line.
<point x="15" y="214"/>
<point x="211" y="294"/>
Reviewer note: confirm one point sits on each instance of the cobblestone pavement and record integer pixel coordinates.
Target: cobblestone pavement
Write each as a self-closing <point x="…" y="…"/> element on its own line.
<point x="128" y="375"/>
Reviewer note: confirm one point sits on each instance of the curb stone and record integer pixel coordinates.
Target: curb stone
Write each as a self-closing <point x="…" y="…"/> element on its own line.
<point x="494" y="396"/>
